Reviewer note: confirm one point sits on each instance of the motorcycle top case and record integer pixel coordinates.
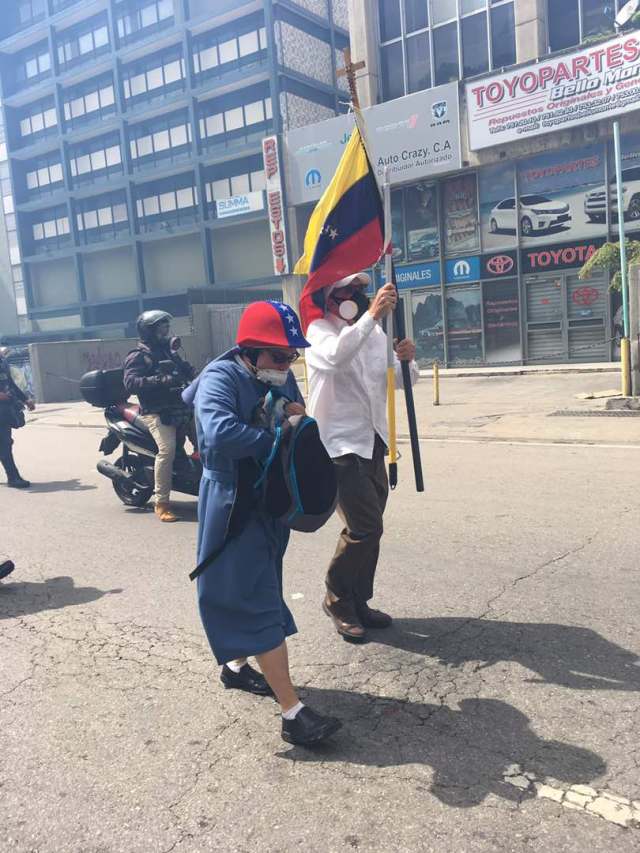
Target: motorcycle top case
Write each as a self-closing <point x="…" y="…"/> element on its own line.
<point x="103" y="388"/>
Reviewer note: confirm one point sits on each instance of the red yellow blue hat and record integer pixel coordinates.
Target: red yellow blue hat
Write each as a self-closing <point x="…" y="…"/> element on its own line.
<point x="270" y="324"/>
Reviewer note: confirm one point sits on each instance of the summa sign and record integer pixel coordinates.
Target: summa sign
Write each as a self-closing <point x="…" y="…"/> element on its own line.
<point x="598" y="82"/>
<point x="416" y="137"/>
<point x="275" y="205"/>
<point x="238" y="204"/>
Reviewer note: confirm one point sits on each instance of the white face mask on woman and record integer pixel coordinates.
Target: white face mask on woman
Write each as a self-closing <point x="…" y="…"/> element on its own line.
<point x="272" y="377"/>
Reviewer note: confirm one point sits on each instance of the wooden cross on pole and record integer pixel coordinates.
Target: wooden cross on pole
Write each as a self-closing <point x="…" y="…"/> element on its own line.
<point x="349" y="71"/>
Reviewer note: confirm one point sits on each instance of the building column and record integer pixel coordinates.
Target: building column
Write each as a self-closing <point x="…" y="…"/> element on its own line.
<point x="531" y="29"/>
<point x="363" y="30"/>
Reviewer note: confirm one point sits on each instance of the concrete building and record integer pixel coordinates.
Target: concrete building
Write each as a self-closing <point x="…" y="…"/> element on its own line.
<point x="489" y="239"/>
<point x="132" y="172"/>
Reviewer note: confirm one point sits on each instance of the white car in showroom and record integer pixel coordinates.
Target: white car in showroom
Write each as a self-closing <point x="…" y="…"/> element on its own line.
<point x="538" y="213"/>
<point x="595" y="201"/>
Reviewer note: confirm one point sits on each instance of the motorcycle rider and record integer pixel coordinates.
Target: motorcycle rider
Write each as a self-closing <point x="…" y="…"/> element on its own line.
<point x="12" y="398"/>
<point x="158" y="384"/>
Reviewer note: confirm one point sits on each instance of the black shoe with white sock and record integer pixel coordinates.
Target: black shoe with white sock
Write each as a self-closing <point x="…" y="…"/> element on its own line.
<point x="308" y="728"/>
<point x="246" y="679"/>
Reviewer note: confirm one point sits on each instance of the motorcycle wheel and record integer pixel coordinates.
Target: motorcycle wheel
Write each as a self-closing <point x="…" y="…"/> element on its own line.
<point x="131" y="494"/>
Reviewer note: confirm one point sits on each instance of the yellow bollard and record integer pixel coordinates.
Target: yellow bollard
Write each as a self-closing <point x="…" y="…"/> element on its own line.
<point x="436" y="383"/>
<point x="625" y="364"/>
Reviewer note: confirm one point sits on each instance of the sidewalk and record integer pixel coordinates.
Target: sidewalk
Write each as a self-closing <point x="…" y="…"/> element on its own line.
<point x="503" y="406"/>
<point x="525" y="370"/>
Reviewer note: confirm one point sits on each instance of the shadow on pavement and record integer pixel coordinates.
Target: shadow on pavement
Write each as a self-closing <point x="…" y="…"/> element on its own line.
<point x="74" y="485"/>
<point x="470" y="750"/>
<point x="573" y="657"/>
<point x="23" y="598"/>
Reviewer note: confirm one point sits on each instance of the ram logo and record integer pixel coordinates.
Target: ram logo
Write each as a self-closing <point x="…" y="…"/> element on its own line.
<point x="462" y="269"/>
<point x="439" y="109"/>
<point x="312" y="178"/>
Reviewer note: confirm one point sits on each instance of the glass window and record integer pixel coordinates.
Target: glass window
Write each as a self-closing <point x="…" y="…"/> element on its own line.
<point x="239" y="184"/>
<point x="185" y="197"/>
<point x="418" y="63"/>
<point x="173" y="71"/>
<point x="220" y="189"/>
<point x="501" y="321"/>
<point x="56" y="173"/>
<point x="83" y="164"/>
<point x="228" y="51"/>
<point x="258" y="180"/>
<point x="107" y="97"/>
<point x="178" y="135"/>
<point x="151" y="205"/>
<point x="416" y="16"/>
<point x="214" y="125"/>
<point x="165" y="9"/>
<point x="475" y="48"/>
<point x="105" y="216"/>
<point x="460" y="203"/>
<point x="145" y="146"/>
<point x="254" y="112"/>
<point x="428" y="326"/>
<point x="138" y="84"/>
<point x="442" y="10"/>
<point x="248" y="43"/>
<point x="98" y="161"/>
<point x="114" y="156"/>
<point x="597" y="17"/>
<point x="167" y="202"/>
<point x="101" y="37"/>
<point x="149" y="16"/>
<point x="154" y="78"/>
<point x="233" y="119"/>
<point x="496" y="187"/>
<point x="397" y="226"/>
<point x="25" y="127"/>
<point x="50" y="118"/>
<point x="37" y="123"/>
<point x="85" y="43"/>
<point x="91" y="102"/>
<point x="503" y="36"/>
<point x="392" y="72"/>
<point x="564" y="24"/>
<point x="43" y="180"/>
<point x="467" y="6"/>
<point x="445" y="54"/>
<point x="32" y="180"/>
<point x="208" y="58"/>
<point x="120" y="213"/>
<point x="50" y="228"/>
<point x="90" y="219"/>
<point x="390" y="27"/>
<point x="421" y="216"/>
<point x="464" y="324"/>
<point x="161" y="140"/>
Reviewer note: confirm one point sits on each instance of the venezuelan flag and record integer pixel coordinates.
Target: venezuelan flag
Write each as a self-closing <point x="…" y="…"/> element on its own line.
<point x="346" y="230"/>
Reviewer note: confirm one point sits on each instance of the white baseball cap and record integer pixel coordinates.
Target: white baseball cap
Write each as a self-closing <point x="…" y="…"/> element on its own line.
<point x="363" y="277"/>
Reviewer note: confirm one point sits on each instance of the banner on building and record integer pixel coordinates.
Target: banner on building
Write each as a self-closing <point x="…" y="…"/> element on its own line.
<point x="600" y="81"/>
<point x="416" y="136"/>
<point x="275" y="205"/>
<point x="235" y="205"/>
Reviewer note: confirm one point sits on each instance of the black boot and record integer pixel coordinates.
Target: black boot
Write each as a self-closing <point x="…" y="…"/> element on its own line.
<point x="14" y="480"/>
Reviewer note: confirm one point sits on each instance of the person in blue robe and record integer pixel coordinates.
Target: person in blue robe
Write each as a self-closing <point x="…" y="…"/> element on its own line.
<point x="240" y="594"/>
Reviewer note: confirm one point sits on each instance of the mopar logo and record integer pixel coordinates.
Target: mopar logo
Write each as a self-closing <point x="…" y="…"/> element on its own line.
<point x="439" y="109"/>
<point x="312" y="178"/>
<point x="462" y="269"/>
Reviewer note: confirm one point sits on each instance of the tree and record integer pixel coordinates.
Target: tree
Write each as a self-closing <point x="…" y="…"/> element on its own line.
<point x="608" y="258"/>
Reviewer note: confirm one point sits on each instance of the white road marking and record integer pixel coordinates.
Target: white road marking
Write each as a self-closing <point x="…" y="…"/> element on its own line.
<point x="296" y="595"/>
<point x="583" y="798"/>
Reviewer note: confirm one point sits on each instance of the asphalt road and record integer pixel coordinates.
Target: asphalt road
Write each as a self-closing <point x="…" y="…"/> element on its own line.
<point x="511" y="675"/>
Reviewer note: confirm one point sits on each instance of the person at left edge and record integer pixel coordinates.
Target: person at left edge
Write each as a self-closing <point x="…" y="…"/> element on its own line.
<point x="159" y="393"/>
<point x="240" y="593"/>
<point x="12" y="398"/>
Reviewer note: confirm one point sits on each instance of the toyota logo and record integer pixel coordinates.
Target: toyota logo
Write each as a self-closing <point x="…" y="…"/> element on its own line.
<point x="585" y="296"/>
<point x="500" y="264"/>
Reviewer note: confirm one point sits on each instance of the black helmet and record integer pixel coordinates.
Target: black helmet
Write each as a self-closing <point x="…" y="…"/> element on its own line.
<point x="148" y="320"/>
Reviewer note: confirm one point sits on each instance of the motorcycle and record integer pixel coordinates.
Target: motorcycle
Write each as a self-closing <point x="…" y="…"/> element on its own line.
<point x="131" y="474"/>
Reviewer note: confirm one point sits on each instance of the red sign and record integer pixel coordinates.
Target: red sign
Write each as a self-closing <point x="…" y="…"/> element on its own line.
<point x="585" y="296"/>
<point x="275" y="205"/>
<point x="558" y="257"/>
<point x="500" y="264"/>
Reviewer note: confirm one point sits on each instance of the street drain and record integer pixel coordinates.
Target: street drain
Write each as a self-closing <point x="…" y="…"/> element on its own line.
<point x="614" y="413"/>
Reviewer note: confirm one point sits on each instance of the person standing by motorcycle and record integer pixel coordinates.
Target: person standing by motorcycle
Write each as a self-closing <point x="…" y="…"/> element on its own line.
<point x="12" y="401"/>
<point x="157" y="374"/>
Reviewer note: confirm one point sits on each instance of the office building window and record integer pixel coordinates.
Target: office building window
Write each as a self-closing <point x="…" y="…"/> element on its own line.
<point x="44" y="175"/>
<point x="37" y="120"/>
<point x="218" y="187"/>
<point x="83" y="42"/>
<point x="225" y="122"/>
<point x="50" y="230"/>
<point x="90" y="101"/>
<point x="573" y="21"/>
<point x="103" y="218"/>
<point x="32" y="65"/>
<point x="163" y="139"/>
<point x="95" y="160"/>
<point x="145" y="18"/>
<point x="168" y="203"/>
<point x="228" y="49"/>
<point x="154" y="76"/>
<point x="424" y="44"/>
<point x="29" y="12"/>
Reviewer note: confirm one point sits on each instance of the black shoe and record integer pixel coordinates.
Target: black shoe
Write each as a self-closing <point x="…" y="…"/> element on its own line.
<point x="247" y="679"/>
<point x="308" y="728"/>
<point x="6" y="568"/>
<point x="371" y="618"/>
<point x="18" y="483"/>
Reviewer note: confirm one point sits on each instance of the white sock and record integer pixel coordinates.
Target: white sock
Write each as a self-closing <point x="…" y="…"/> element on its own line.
<point x="236" y="665"/>
<point x="292" y="713"/>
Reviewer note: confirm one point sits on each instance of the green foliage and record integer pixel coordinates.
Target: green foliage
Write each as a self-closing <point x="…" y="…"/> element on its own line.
<point x="608" y="258"/>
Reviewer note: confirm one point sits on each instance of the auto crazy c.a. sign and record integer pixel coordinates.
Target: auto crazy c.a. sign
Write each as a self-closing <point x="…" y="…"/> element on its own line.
<point x="597" y="82"/>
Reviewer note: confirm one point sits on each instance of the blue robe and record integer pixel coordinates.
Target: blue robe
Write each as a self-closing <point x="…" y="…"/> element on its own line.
<point x="240" y="594"/>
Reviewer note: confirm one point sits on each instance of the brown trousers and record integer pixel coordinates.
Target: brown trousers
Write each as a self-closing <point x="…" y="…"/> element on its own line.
<point x="363" y="489"/>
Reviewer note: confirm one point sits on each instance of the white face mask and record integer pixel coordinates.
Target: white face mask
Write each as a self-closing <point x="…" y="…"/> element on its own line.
<point x="348" y="309"/>
<point x="272" y="377"/>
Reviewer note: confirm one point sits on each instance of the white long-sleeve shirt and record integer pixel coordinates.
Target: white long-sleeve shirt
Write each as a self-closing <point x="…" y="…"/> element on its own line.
<point x="347" y="369"/>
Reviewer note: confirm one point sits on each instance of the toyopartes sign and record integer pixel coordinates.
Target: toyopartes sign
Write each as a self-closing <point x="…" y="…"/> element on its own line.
<point x="598" y="82"/>
<point x="275" y="205"/>
<point x="417" y="136"/>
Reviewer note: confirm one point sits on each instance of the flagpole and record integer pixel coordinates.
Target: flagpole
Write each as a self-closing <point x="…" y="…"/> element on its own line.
<point x="391" y="361"/>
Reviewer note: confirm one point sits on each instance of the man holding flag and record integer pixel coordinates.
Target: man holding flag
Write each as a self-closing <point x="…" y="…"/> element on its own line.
<point x="347" y="364"/>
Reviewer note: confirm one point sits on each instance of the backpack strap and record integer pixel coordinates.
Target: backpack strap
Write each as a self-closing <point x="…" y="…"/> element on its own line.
<point x="292" y="470"/>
